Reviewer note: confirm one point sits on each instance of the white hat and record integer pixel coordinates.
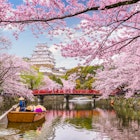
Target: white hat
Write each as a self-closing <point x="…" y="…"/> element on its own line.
<point x="31" y="108"/>
<point x="21" y="98"/>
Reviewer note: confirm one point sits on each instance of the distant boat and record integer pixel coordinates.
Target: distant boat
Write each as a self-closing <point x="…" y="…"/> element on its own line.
<point x="81" y="100"/>
<point x="29" y="117"/>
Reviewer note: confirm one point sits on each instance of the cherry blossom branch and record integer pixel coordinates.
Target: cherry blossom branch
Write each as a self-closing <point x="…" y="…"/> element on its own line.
<point x="124" y="20"/>
<point x="131" y="40"/>
<point x="130" y="27"/>
<point x="96" y="8"/>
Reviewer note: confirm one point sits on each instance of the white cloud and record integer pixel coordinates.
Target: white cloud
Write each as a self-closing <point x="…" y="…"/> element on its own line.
<point x="53" y="50"/>
<point x="62" y="61"/>
<point x="66" y="35"/>
<point x="10" y="27"/>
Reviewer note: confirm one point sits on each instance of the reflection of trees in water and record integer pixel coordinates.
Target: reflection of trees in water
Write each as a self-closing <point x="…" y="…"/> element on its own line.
<point x="55" y="118"/>
<point x="81" y="122"/>
<point x="82" y="106"/>
<point x="127" y="115"/>
<point x="103" y="121"/>
<point x="77" y="118"/>
<point x="61" y="105"/>
<point x="53" y="102"/>
<point x="129" y="120"/>
<point x="22" y="127"/>
<point x="120" y="126"/>
<point x="48" y="129"/>
<point x="57" y="102"/>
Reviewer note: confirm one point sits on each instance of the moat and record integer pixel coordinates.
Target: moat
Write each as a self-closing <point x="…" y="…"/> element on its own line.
<point x="77" y="120"/>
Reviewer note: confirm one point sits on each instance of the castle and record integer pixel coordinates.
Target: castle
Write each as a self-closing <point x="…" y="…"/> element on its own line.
<point x="44" y="60"/>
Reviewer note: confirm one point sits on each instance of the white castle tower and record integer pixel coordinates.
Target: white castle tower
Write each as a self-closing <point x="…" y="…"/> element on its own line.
<point x="43" y="58"/>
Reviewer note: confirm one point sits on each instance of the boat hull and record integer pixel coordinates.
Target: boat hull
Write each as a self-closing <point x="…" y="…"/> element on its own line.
<point x="23" y="126"/>
<point x="14" y="116"/>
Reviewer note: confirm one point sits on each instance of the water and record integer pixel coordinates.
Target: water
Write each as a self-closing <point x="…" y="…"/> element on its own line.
<point x="77" y="121"/>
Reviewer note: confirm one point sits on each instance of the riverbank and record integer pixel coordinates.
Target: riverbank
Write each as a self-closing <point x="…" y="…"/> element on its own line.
<point x="133" y="102"/>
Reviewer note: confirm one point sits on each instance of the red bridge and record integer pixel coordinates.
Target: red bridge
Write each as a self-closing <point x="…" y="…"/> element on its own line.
<point x="66" y="92"/>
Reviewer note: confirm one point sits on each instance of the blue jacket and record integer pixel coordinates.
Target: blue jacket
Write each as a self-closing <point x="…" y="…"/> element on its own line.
<point x="22" y="105"/>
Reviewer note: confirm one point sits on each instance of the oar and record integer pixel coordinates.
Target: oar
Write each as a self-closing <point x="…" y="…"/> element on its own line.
<point x="13" y="107"/>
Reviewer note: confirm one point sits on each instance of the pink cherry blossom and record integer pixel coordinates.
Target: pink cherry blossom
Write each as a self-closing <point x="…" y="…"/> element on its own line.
<point x="10" y="82"/>
<point x="123" y="70"/>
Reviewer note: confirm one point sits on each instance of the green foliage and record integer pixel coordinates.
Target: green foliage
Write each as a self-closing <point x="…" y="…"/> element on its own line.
<point x="85" y="70"/>
<point x="83" y="81"/>
<point x="81" y="122"/>
<point x="56" y="79"/>
<point x="33" y="80"/>
<point x="78" y="85"/>
<point x="88" y="83"/>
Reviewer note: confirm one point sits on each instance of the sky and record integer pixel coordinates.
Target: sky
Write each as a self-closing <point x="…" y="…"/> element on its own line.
<point x="26" y="43"/>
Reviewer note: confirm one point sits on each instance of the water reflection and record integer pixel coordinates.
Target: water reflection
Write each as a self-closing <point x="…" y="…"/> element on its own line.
<point x="77" y="106"/>
<point x="74" y="121"/>
<point x="72" y="124"/>
<point x="22" y="127"/>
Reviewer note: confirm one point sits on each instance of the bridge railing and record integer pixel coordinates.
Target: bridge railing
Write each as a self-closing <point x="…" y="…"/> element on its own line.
<point x="66" y="91"/>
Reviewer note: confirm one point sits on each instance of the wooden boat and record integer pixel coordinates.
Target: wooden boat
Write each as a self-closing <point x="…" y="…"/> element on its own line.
<point x="29" y="117"/>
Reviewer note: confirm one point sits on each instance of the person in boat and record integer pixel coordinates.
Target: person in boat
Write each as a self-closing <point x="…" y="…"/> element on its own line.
<point x="30" y="108"/>
<point x="39" y="108"/>
<point x="22" y="104"/>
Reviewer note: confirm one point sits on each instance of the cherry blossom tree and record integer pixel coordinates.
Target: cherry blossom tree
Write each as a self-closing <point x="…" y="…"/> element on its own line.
<point x="10" y="82"/>
<point x="49" y="84"/>
<point x="68" y="85"/>
<point x="33" y="78"/>
<point x="120" y="71"/>
<point x="107" y="27"/>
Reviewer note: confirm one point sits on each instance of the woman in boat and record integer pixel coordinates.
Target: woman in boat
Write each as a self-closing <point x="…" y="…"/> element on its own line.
<point x="39" y="108"/>
<point x="22" y="104"/>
